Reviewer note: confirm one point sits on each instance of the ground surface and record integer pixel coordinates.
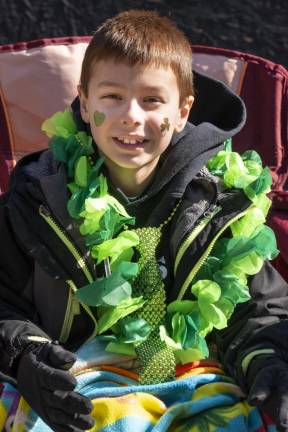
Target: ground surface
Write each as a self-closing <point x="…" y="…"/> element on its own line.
<point x="255" y="26"/>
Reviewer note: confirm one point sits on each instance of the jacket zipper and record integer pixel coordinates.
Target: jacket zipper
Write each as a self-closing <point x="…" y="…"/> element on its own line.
<point x="71" y="308"/>
<point x="208" y="215"/>
<point x="44" y="212"/>
<point x="73" y="289"/>
<point x="205" y="255"/>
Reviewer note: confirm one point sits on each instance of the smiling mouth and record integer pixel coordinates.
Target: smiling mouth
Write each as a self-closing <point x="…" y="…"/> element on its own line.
<point x="125" y="142"/>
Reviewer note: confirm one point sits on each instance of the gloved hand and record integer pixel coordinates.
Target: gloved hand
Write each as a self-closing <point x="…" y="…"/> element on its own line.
<point x="45" y="383"/>
<point x="268" y="388"/>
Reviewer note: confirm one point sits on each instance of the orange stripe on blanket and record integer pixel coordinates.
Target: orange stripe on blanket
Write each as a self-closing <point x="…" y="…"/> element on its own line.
<point x="109" y="368"/>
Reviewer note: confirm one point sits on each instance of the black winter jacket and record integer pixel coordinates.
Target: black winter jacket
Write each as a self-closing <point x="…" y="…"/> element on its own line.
<point x="42" y="250"/>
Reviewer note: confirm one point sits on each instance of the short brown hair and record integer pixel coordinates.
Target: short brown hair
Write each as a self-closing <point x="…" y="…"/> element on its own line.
<point x="144" y="37"/>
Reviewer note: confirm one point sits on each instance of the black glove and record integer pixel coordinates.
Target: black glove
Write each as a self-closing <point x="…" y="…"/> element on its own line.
<point x="45" y="383"/>
<point x="267" y="383"/>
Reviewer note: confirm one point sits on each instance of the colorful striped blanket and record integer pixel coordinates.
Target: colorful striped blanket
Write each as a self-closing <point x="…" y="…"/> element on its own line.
<point x="201" y="399"/>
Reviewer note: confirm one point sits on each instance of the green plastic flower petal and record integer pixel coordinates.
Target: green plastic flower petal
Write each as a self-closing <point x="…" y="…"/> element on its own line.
<point x="192" y="354"/>
<point x="227" y="306"/>
<point x="108" y="291"/>
<point x="213" y="314"/>
<point x="265" y="243"/>
<point x="248" y="223"/>
<point x="206" y="290"/>
<point x="217" y="164"/>
<point x="228" y="145"/>
<point x="133" y="330"/>
<point x="114" y="247"/>
<point x="76" y="203"/>
<point x="179" y="328"/>
<point x="231" y="286"/>
<point x="81" y="171"/>
<point x="168" y="340"/>
<point x="183" y="306"/>
<point x="128" y="270"/>
<point x="60" y="124"/>
<point x="261" y="184"/>
<point x="263" y="203"/>
<point x="252" y="156"/>
<point x="251" y="264"/>
<point x="93" y="205"/>
<point x="254" y="168"/>
<point x="121" y="348"/>
<point x="91" y="225"/>
<point x="113" y="314"/>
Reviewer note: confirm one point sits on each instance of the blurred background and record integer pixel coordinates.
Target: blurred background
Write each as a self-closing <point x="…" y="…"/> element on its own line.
<point x="254" y="26"/>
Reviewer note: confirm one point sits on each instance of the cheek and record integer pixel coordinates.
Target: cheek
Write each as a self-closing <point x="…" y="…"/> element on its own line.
<point x="165" y="125"/>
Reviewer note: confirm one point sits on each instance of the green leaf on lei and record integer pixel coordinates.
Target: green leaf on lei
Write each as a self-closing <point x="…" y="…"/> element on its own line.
<point x="228" y="145"/>
<point x="81" y="171"/>
<point x="111" y="315"/>
<point x="253" y="167"/>
<point x="217" y="164"/>
<point x="113" y="221"/>
<point x="248" y="223"/>
<point x="192" y="354"/>
<point x="76" y="203"/>
<point x="183" y="306"/>
<point x="108" y="291"/>
<point x="127" y="269"/>
<point x="265" y="242"/>
<point x="121" y="348"/>
<point x="260" y="185"/>
<point x="95" y="238"/>
<point x="73" y="187"/>
<point x="208" y="293"/>
<point x="231" y="287"/>
<point x="60" y="124"/>
<point x="253" y="156"/>
<point x="207" y="290"/>
<point x="250" y="264"/>
<point x="133" y="330"/>
<point x="113" y="248"/>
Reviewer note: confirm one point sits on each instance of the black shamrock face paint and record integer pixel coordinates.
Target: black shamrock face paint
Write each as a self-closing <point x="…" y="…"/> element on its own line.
<point x="99" y="118"/>
<point x="165" y="126"/>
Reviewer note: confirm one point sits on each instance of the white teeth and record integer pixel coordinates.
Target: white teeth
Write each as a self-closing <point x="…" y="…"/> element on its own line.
<point x="130" y="141"/>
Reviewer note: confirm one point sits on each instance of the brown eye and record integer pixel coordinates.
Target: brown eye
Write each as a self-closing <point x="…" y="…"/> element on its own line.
<point x="112" y="96"/>
<point x="152" y="99"/>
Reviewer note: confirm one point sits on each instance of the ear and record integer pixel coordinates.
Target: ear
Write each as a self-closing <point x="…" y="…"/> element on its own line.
<point x="183" y="114"/>
<point x="83" y="104"/>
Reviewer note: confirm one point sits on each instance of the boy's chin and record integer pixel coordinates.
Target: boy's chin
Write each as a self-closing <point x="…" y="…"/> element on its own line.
<point x="136" y="163"/>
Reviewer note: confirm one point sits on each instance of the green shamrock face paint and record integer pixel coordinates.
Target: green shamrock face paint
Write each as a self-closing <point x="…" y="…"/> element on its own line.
<point x="99" y="118"/>
<point x="165" y="126"/>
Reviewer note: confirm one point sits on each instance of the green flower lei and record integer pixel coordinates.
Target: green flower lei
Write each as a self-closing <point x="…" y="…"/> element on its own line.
<point x="221" y="282"/>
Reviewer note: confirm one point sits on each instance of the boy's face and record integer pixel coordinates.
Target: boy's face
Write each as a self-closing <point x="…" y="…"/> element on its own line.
<point x="133" y="112"/>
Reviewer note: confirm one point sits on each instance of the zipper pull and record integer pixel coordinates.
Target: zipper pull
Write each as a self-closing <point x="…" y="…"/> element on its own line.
<point x="44" y="211"/>
<point x="210" y="213"/>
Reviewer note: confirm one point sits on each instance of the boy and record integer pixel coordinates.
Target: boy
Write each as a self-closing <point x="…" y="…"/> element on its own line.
<point x="159" y="288"/>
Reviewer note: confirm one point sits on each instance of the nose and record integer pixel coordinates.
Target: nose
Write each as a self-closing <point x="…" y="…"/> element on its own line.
<point x="132" y="114"/>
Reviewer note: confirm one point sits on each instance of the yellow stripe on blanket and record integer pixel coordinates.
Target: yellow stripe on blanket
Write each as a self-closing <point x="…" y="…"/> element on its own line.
<point x="20" y="420"/>
<point x="143" y="405"/>
<point x="214" y="389"/>
<point x="3" y="416"/>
